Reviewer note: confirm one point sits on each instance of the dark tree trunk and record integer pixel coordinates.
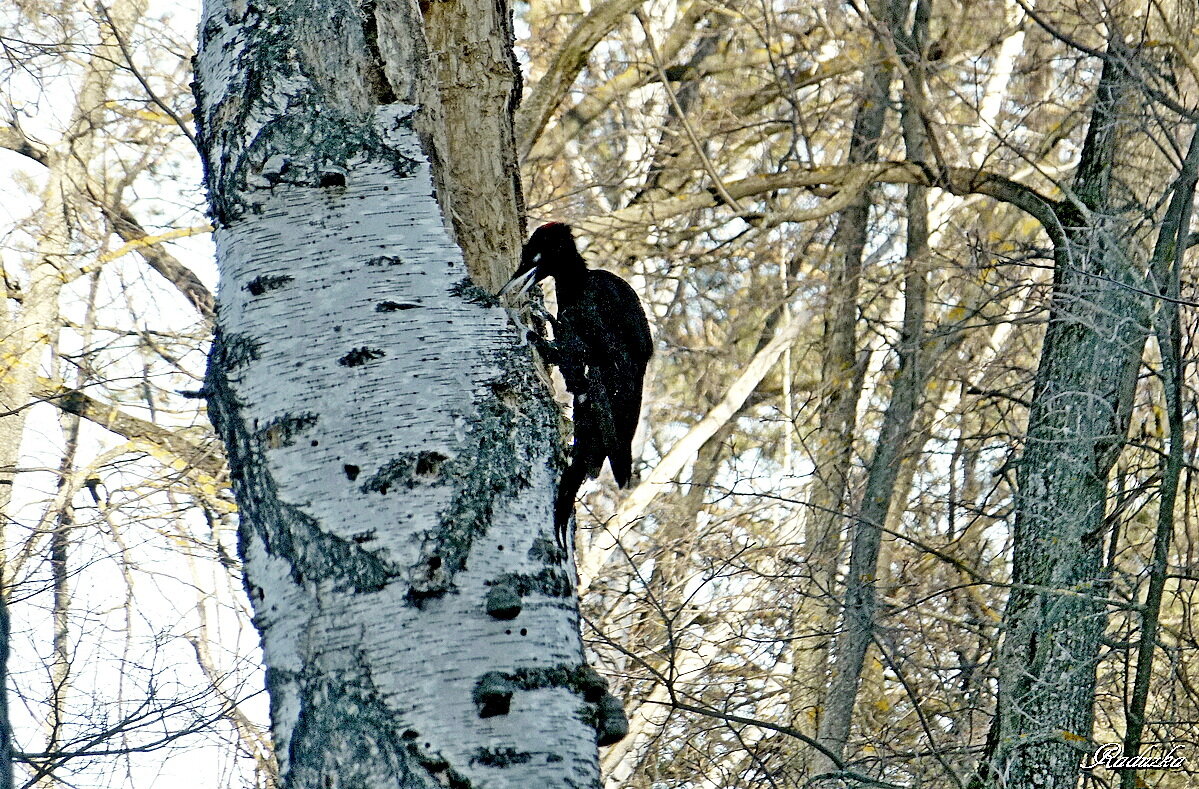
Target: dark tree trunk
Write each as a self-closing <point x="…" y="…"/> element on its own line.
<point x="1077" y="424"/>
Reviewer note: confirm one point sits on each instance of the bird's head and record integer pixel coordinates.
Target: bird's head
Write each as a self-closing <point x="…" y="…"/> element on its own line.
<point x="548" y="253"/>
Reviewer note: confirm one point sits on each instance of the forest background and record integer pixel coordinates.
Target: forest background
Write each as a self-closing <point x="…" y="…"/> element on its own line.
<point x="922" y="399"/>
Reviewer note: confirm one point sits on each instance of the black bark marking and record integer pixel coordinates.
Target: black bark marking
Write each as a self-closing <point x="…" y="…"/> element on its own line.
<point x="468" y="291"/>
<point x="235" y="350"/>
<point x="579" y="679"/>
<point x="493" y="694"/>
<point x="360" y="356"/>
<point x="393" y="306"/>
<point x="284" y="530"/>
<point x="351" y="471"/>
<point x="503" y="602"/>
<point x="428" y="464"/>
<point x="331" y="179"/>
<point x="260" y="285"/>
<point x="611" y="724"/>
<point x="342" y="716"/>
<point x="282" y="432"/>
<point x="550" y="582"/>
<point x="500" y="757"/>
<point x="385" y="260"/>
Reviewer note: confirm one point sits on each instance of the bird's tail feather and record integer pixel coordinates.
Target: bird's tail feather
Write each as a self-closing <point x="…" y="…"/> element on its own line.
<point x="625" y="409"/>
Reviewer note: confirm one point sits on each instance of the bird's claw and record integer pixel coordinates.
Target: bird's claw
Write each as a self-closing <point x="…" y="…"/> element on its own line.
<point x="525" y="331"/>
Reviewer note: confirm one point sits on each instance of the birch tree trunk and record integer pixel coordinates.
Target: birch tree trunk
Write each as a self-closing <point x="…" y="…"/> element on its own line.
<point x="393" y="454"/>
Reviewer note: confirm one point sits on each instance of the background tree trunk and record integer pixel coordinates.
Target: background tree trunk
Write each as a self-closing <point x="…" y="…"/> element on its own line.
<point x="1085" y="383"/>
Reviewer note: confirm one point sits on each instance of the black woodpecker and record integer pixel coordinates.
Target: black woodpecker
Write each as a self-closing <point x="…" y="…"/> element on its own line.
<point x="602" y="345"/>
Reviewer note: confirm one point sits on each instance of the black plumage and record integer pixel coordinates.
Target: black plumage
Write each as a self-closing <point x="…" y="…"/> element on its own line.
<point x="602" y="345"/>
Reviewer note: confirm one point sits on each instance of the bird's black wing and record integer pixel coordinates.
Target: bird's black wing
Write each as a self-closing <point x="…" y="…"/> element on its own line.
<point x="618" y="315"/>
<point x="619" y="345"/>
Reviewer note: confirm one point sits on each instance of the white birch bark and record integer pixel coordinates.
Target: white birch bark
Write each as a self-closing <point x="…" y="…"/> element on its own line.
<point x="393" y="454"/>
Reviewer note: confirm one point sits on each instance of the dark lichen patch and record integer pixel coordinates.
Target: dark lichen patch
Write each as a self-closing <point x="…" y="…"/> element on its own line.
<point x="385" y="260"/>
<point x="611" y="724"/>
<point x="467" y="290"/>
<point x="432" y="761"/>
<point x="428" y="464"/>
<point x="274" y="46"/>
<point x="500" y="757"/>
<point x="492" y="694"/>
<point x="396" y="471"/>
<point x="502" y="602"/>
<point x="548" y="551"/>
<point x="360" y="356"/>
<point x="581" y="680"/>
<point x="282" y="432"/>
<point x="503" y="445"/>
<point x="408" y="470"/>
<point x="212" y="29"/>
<point x="589" y="682"/>
<point x="395" y="306"/>
<point x="341" y="718"/>
<point x="552" y="581"/>
<point x="234" y="351"/>
<point x="321" y="555"/>
<point x="283" y="530"/>
<point x="607" y="717"/>
<point x="427" y="580"/>
<point x="306" y="121"/>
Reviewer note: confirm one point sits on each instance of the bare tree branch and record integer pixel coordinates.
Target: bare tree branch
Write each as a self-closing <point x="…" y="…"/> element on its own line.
<point x="205" y="458"/>
<point x="955" y="180"/>
<point x="535" y="112"/>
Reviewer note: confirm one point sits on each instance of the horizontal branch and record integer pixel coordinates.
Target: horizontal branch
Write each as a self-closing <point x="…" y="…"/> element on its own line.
<point x="956" y="180"/>
<point x="166" y="264"/>
<point x="206" y="458"/>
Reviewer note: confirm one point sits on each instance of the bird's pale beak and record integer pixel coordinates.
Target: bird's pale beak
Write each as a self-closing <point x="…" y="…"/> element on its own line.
<point x="521" y="281"/>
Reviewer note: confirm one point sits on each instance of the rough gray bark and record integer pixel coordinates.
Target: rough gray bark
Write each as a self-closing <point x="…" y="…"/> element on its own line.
<point x="392" y="451"/>
<point x="1077" y="423"/>
<point x="479" y="87"/>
